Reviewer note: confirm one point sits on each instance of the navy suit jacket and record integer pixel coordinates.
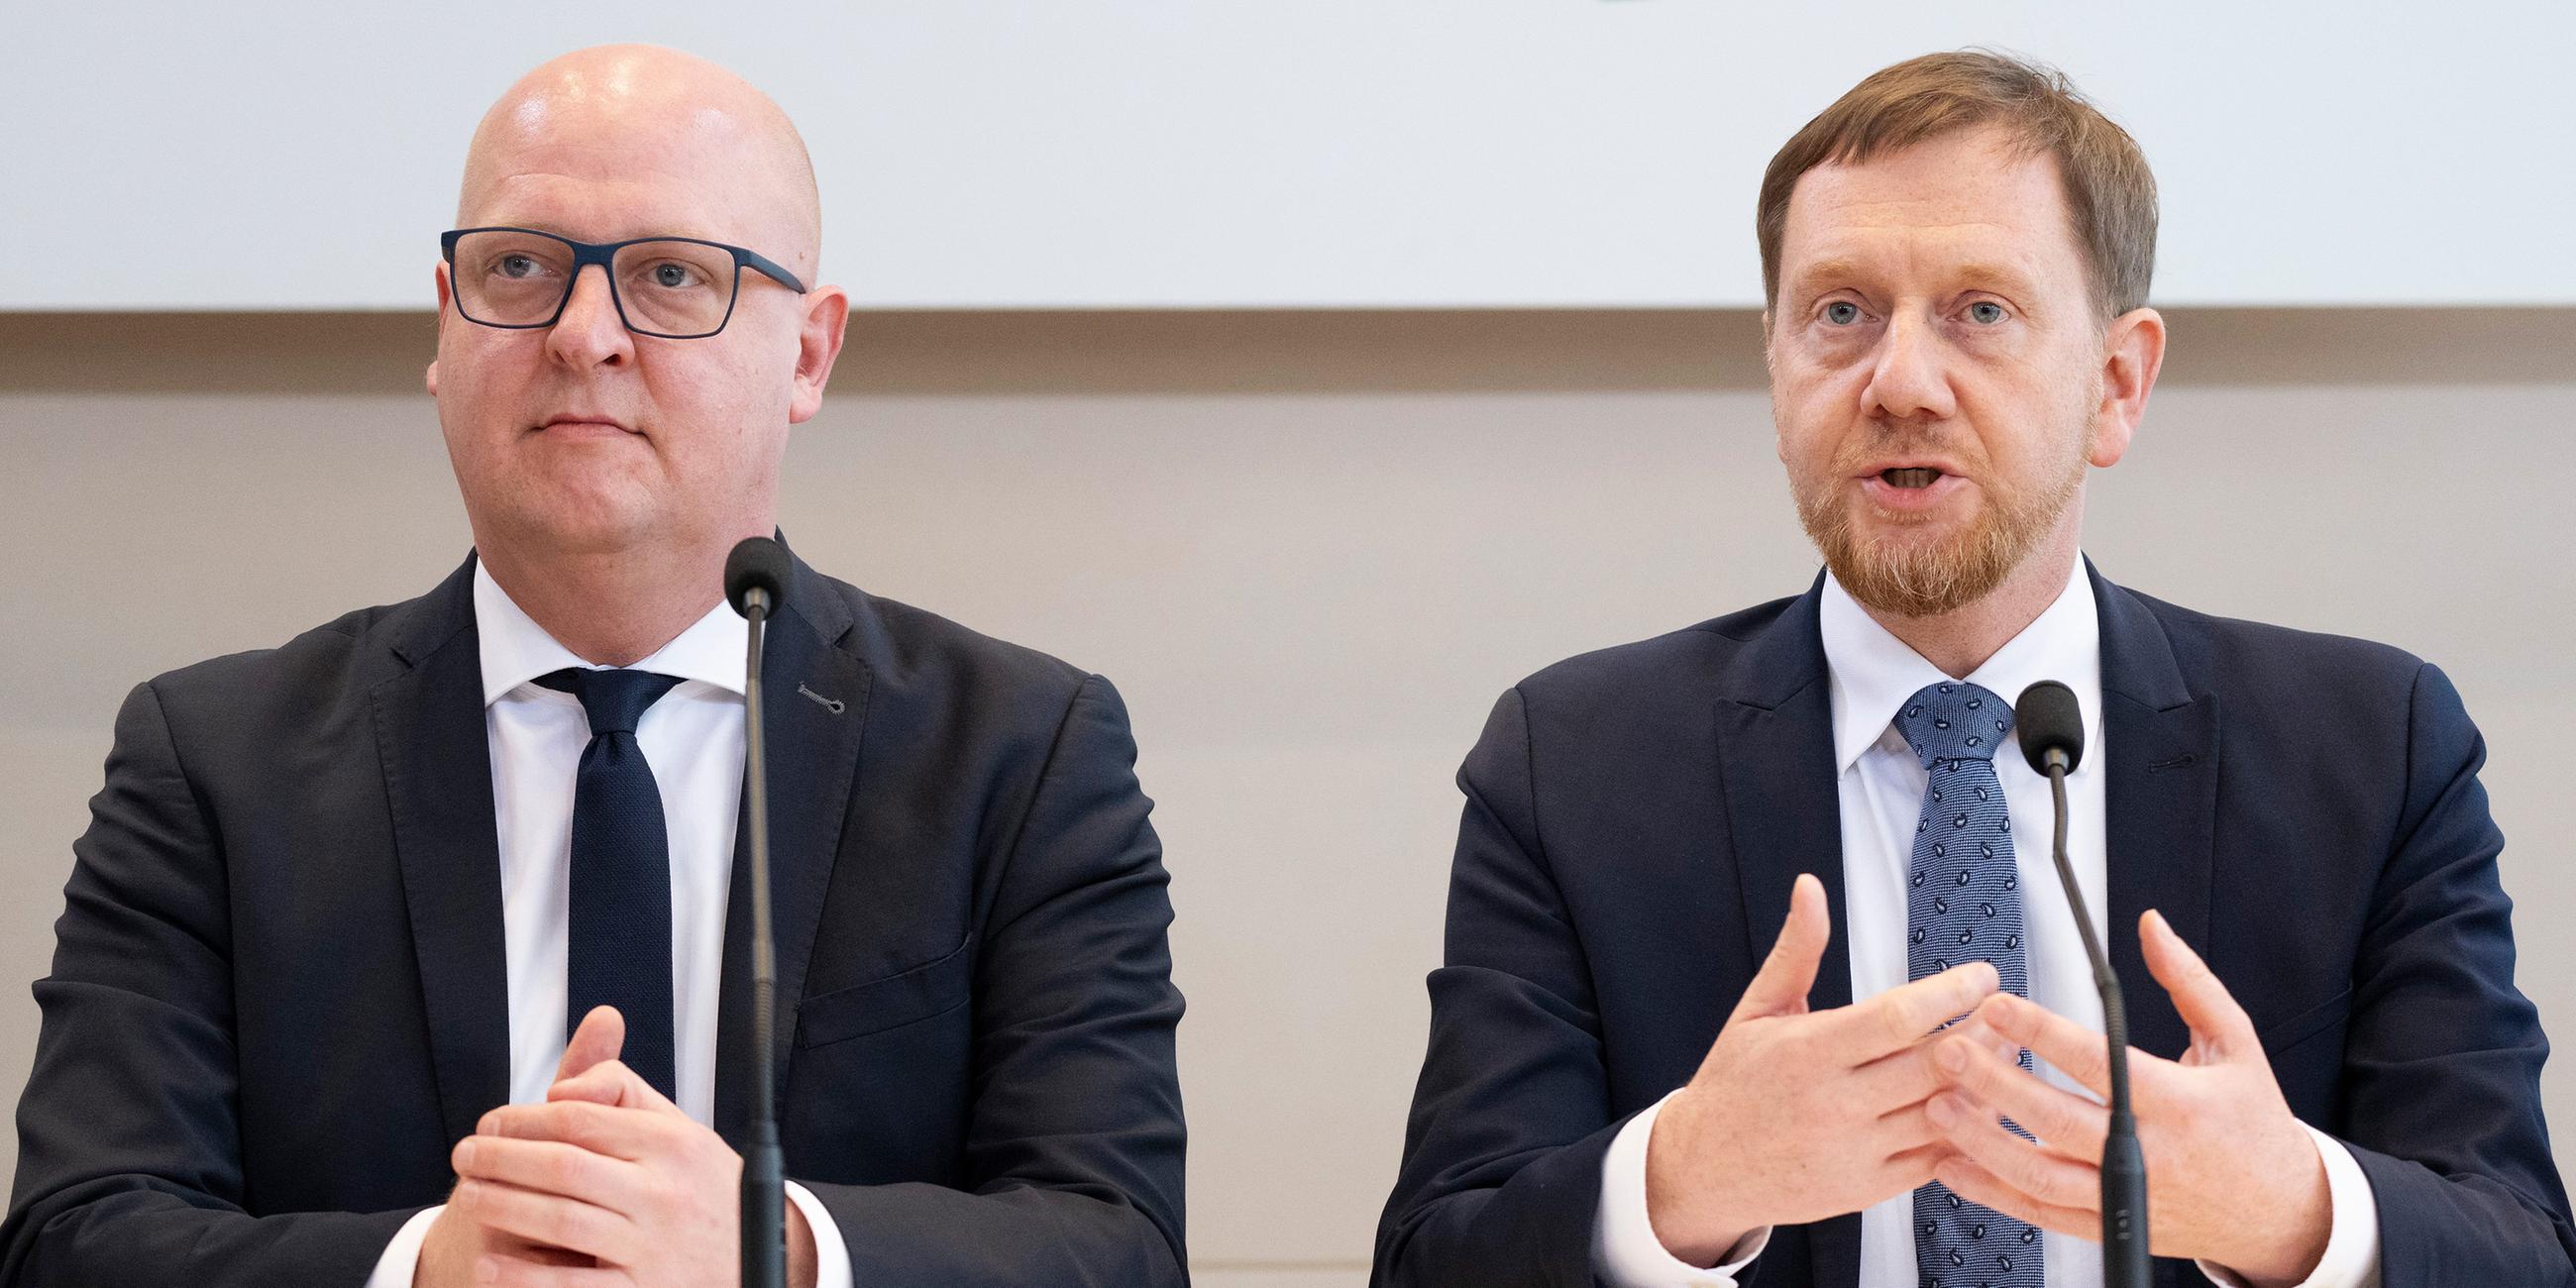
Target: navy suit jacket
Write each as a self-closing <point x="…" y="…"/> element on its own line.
<point x="278" y="997"/>
<point x="2304" y="809"/>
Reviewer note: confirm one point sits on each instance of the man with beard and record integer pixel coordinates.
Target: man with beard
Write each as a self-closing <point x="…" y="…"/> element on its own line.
<point x="2336" y="1083"/>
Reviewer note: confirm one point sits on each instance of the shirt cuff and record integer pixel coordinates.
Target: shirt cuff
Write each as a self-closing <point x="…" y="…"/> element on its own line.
<point x="2351" y="1257"/>
<point x="402" y="1256"/>
<point x="831" y="1253"/>
<point x="1625" y="1251"/>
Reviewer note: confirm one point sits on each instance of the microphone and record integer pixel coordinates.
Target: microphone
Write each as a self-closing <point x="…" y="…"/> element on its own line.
<point x="756" y="577"/>
<point x="759" y="566"/>
<point x="2051" y="728"/>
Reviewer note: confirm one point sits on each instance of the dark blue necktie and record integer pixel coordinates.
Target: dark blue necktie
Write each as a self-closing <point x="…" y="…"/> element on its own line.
<point x="1963" y="903"/>
<point x="620" y="949"/>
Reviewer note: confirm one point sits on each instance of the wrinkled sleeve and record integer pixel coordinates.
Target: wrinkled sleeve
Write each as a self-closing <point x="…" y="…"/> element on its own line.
<point x="129" y="1145"/>
<point x="1510" y="1128"/>
<point x="1075" y="1146"/>
<point x="2442" y="1059"/>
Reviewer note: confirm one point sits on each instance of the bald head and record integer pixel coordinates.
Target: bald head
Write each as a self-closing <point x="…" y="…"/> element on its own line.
<point x="624" y="140"/>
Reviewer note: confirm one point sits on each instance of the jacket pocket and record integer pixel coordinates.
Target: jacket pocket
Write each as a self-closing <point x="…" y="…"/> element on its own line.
<point x="933" y="988"/>
<point x="2281" y="1036"/>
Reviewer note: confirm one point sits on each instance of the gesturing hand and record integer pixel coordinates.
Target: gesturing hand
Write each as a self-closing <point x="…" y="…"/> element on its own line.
<point x="2231" y="1176"/>
<point x="1794" y="1117"/>
<point x="608" y="1168"/>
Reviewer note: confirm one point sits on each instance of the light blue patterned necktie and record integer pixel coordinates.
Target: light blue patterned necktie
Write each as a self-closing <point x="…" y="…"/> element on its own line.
<point x="1963" y="903"/>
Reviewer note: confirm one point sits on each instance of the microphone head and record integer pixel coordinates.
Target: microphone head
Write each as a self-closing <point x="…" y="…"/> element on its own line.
<point x="2047" y="719"/>
<point x="757" y="563"/>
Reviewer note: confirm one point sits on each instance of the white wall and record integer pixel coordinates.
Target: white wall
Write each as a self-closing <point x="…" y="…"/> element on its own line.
<point x="303" y="154"/>
<point x="1310" y="549"/>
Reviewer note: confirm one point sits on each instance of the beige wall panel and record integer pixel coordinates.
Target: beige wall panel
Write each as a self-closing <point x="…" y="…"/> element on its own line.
<point x="1310" y="549"/>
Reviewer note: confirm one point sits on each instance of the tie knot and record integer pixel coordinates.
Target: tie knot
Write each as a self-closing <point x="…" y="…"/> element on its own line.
<point x="1954" y="720"/>
<point x="614" y="700"/>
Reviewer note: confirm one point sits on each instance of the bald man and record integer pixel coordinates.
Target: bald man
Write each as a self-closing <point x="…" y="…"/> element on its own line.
<point x="414" y="950"/>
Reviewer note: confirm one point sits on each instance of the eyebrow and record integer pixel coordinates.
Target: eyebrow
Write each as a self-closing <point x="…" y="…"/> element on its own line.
<point x="1810" y="279"/>
<point x="1974" y="275"/>
<point x="2000" y="278"/>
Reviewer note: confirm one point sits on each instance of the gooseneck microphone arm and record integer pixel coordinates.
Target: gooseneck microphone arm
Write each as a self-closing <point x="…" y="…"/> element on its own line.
<point x="2051" y="728"/>
<point x="755" y="582"/>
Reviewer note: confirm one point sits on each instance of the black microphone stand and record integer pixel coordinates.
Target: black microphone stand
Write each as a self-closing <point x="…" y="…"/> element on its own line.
<point x="764" y="1192"/>
<point x="2124" y="1168"/>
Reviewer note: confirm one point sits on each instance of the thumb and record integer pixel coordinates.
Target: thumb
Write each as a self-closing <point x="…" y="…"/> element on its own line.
<point x="2203" y="1002"/>
<point x="612" y="1083"/>
<point x="601" y="1036"/>
<point x="1780" y="987"/>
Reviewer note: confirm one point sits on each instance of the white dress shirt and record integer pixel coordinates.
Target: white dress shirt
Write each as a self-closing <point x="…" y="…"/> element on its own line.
<point x="693" y="739"/>
<point x="1881" y="787"/>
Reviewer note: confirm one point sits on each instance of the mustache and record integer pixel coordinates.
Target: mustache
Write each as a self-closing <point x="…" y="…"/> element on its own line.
<point x="1908" y="438"/>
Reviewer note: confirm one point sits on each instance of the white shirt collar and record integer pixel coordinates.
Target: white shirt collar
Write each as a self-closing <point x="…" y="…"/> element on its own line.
<point x="516" y="650"/>
<point x="1874" y="673"/>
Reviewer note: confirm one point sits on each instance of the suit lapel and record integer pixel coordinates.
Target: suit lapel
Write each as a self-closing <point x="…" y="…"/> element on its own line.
<point x="1784" y="816"/>
<point x="813" y="760"/>
<point x="2161" y="794"/>
<point x="438" y="779"/>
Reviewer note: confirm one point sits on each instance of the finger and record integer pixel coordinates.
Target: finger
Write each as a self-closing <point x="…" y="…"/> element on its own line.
<point x="612" y="1082"/>
<point x="590" y="1087"/>
<point x="2044" y="1176"/>
<point x="552" y="1167"/>
<point x="2076" y="1051"/>
<point x="601" y="1036"/>
<point x="508" y="1271"/>
<point x="2070" y="1124"/>
<point x="630" y="1134"/>
<point x="1909" y="1077"/>
<point x="539" y="1254"/>
<point x="550" y="1219"/>
<point x="2203" y="1002"/>
<point x="1970" y="1180"/>
<point x="1903" y="1016"/>
<point x="1781" y="986"/>
<point x="1904" y="1131"/>
<point x="1911" y="1169"/>
<point x="1892" y="1083"/>
<point x="1975" y="1029"/>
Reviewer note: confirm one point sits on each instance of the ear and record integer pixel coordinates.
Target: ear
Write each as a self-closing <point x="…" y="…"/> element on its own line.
<point x="818" y="346"/>
<point x="438" y="277"/>
<point x="2133" y="351"/>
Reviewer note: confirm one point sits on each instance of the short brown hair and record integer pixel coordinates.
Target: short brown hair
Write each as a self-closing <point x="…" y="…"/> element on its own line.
<point x="2110" y="193"/>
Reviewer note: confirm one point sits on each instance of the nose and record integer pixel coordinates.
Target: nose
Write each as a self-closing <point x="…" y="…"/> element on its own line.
<point x="1911" y="378"/>
<point x="590" y="333"/>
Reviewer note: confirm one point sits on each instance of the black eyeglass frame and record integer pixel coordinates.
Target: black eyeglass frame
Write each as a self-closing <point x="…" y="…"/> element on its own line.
<point x="604" y="254"/>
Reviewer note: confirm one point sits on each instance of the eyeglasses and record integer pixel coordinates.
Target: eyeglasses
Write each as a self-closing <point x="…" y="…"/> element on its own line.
<point x="676" y="288"/>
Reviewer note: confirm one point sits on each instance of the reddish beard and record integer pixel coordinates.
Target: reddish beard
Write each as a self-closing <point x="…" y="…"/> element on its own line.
<point x="1911" y="572"/>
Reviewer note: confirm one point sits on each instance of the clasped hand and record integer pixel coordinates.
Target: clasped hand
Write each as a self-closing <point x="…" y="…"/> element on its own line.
<point x="606" y="1183"/>
<point x="1797" y="1116"/>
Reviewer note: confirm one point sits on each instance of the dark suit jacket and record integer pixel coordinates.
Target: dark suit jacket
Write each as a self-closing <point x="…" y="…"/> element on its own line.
<point x="278" y="999"/>
<point x="2304" y="809"/>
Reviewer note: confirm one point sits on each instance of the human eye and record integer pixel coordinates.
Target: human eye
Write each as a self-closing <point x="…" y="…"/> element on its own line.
<point x="672" y="275"/>
<point x="1840" y="313"/>
<point x="517" y="266"/>
<point x="671" y="268"/>
<point x="1987" y="313"/>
